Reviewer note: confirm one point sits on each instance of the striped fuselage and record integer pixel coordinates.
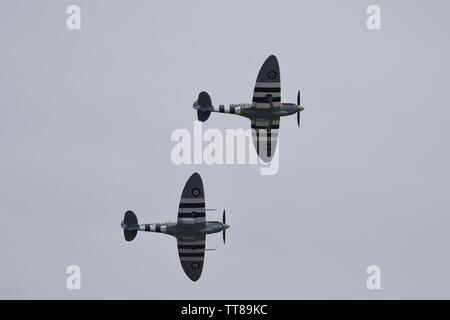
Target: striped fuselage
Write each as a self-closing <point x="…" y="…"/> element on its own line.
<point x="253" y="111"/>
<point x="182" y="229"/>
<point x="266" y="103"/>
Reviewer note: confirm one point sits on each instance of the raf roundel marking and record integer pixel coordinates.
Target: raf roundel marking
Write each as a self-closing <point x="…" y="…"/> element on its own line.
<point x="195" y="192"/>
<point x="194" y="265"/>
<point x="272" y="74"/>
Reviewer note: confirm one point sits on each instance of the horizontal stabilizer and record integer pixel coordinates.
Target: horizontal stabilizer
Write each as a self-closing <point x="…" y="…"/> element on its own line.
<point x="130" y="225"/>
<point x="204" y="100"/>
<point x="203" y="106"/>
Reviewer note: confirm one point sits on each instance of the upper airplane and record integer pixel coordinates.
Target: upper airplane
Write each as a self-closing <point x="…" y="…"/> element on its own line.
<point x="264" y="112"/>
<point x="190" y="229"/>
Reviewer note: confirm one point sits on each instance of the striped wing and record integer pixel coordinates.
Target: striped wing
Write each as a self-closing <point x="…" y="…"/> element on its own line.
<point x="267" y="91"/>
<point x="192" y="254"/>
<point x="265" y="137"/>
<point x="191" y="218"/>
<point x="191" y="211"/>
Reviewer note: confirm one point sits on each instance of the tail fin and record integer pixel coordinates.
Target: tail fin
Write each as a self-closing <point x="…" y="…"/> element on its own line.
<point x="203" y="106"/>
<point x="130" y="225"/>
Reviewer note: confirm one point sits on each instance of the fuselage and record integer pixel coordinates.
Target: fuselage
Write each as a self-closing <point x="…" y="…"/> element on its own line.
<point x="251" y="111"/>
<point x="180" y="229"/>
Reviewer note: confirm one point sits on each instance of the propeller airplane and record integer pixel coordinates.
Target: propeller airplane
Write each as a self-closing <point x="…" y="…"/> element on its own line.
<point x="264" y="111"/>
<point x="190" y="230"/>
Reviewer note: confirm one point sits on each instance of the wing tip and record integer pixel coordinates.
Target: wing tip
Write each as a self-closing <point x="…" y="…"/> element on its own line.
<point x="194" y="279"/>
<point x="271" y="59"/>
<point x="195" y="178"/>
<point x="192" y="274"/>
<point x="270" y="70"/>
<point x="195" y="174"/>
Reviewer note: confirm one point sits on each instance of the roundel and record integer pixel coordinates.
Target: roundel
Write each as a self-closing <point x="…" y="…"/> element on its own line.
<point x="195" y="265"/>
<point x="196" y="192"/>
<point x="272" y="74"/>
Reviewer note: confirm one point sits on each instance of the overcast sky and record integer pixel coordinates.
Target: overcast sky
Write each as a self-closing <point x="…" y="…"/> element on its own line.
<point x="86" y="118"/>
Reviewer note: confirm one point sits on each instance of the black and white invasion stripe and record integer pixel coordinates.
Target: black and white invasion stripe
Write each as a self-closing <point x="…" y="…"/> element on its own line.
<point x="153" y="227"/>
<point x="228" y="108"/>
<point x="191" y="211"/>
<point x="265" y="136"/>
<point x="193" y="250"/>
<point x="266" y="91"/>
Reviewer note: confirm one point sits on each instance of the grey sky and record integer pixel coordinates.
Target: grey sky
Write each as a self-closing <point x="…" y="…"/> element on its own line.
<point x="85" y="124"/>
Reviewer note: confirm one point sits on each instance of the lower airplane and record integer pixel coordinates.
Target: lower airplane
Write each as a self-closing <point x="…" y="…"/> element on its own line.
<point x="190" y="229"/>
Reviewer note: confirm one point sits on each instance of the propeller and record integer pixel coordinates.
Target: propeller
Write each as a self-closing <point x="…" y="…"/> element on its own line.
<point x="298" y="105"/>
<point x="224" y="221"/>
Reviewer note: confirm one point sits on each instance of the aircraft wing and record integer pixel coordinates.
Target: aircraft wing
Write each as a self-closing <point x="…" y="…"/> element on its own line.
<point x="265" y="137"/>
<point x="191" y="218"/>
<point x="191" y="211"/>
<point x="267" y="92"/>
<point x="192" y="254"/>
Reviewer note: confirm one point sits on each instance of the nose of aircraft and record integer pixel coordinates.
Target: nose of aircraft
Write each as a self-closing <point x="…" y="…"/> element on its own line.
<point x="225" y="226"/>
<point x="300" y="108"/>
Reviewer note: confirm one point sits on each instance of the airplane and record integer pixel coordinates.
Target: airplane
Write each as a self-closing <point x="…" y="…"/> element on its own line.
<point x="190" y="230"/>
<point x="264" y="111"/>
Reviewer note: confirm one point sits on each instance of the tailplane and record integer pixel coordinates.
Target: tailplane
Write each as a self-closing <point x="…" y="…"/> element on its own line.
<point x="203" y="106"/>
<point x="130" y="225"/>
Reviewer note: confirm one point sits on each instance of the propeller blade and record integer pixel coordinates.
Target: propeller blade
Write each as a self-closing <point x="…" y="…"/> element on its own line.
<point x="298" y="118"/>
<point x="298" y="97"/>
<point x="224" y="220"/>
